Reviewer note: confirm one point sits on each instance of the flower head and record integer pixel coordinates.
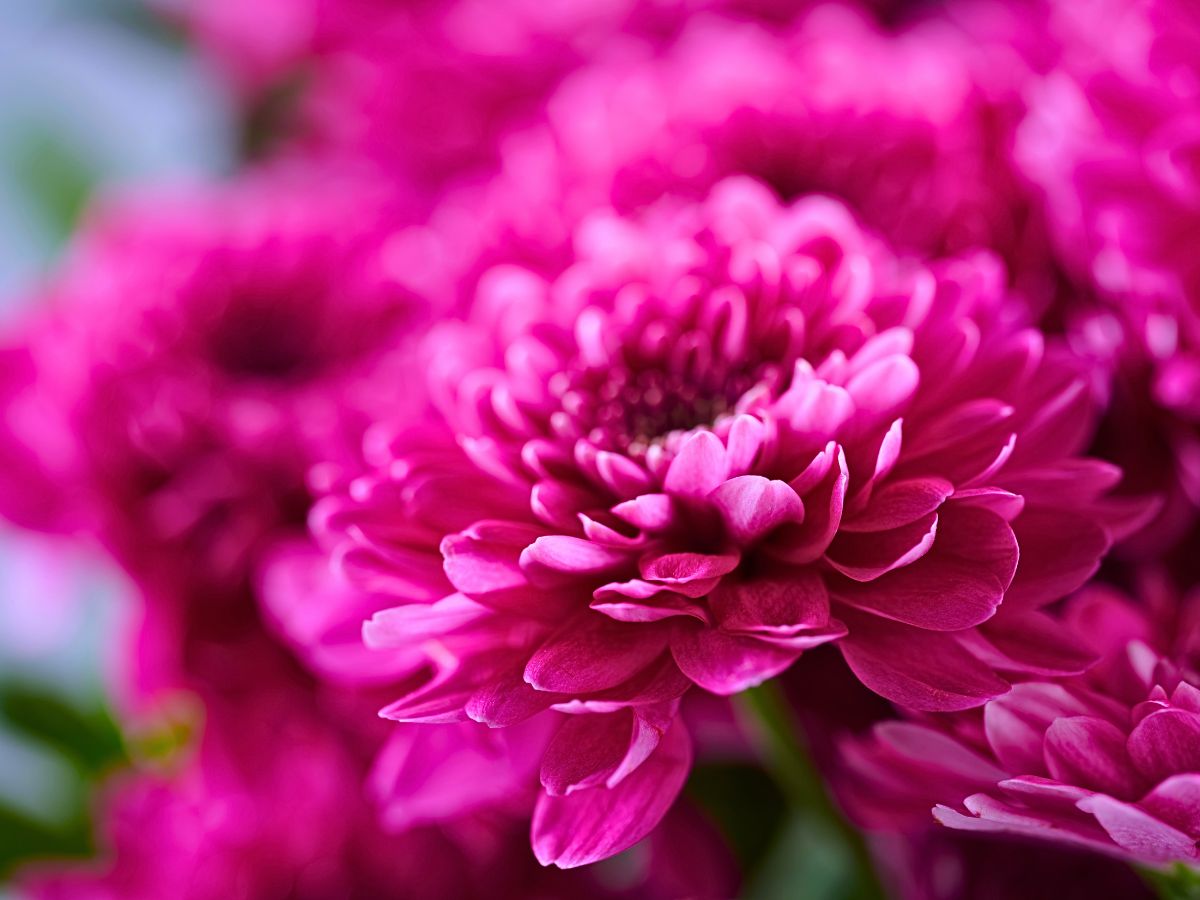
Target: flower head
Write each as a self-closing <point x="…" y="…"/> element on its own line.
<point x="730" y="432"/>
<point x="200" y="351"/>
<point x="1107" y="760"/>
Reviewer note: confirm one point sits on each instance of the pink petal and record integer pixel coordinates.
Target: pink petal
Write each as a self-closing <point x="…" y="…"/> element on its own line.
<point x="782" y="605"/>
<point x="483" y="560"/>
<point x="1060" y="550"/>
<point x="576" y="556"/>
<point x="593" y="653"/>
<point x="1139" y="833"/>
<point x="867" y="556"/>
<point x="823" y="504"/>
<point x="1034" y="643"/>
<point x="753" y="506"/>
<point x="1016" y="723"/>
<point x="698" y="468"/>
<point x="641" y="601"/>
<point x="1166" y="743"/>
<point x="728" y="663"/>
<point x="684" y="568"/>
<point x="1176" y="801"/>
<point x="506" y="699"/>
<point x="900" y="503"/>
<point x="602" y="749"/>
<point x="924" y="670"/>
<point x="438" y="773"/>
<point x="1091" y="753"/>
<point x="594" y="824"/>
<point x="650" y="512"/>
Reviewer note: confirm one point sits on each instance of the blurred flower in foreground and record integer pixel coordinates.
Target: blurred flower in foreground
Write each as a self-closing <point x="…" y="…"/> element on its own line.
<point x="1109" y="760"/>
<point x="730" y="432"/>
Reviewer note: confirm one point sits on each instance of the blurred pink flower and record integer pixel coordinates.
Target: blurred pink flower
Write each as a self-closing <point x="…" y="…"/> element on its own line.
<point x="728" y="433"/>
<point x="1112" y="140"/>
<point x="202" y="348"/>
<point x="1106" y="761"/>
<point x="898" y="125"/>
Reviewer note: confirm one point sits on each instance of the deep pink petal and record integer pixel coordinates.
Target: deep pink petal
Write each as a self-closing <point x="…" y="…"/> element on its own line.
<point x="728" y="663"/>
<point x="925" y="670"/>
<point x="1091" y="752"/>
<point x="593" y="653"/>
<point x="1166" y="743"/>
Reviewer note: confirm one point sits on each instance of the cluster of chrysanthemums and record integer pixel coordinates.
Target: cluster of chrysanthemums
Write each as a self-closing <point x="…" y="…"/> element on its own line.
<point x="557" y="370"/>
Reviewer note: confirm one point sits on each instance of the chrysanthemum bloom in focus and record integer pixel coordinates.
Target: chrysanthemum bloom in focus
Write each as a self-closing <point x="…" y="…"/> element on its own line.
<point x="1112" y="139"/>
<point x="729" y="433"/>
<point x="199" y="351"/>
<point x="1108" y="761"/>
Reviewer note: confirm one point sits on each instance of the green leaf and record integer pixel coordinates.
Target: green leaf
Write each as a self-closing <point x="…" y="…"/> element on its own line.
<point x="24" y="839"/>
<point x="89" y="737"/>
<point x="744" y="803"/>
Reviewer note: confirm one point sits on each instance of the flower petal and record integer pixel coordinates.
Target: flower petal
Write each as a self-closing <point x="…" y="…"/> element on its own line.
<point x="591" y="825"/>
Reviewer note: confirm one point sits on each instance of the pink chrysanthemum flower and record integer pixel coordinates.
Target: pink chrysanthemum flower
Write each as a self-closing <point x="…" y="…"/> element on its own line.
<point x="1109" y="760"/>
<point x="730" y="432"/>
<point x="895" y="124"/>
<point x="200" y="350"/>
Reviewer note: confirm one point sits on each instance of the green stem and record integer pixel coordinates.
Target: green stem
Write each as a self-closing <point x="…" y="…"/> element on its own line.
<point x="1179" y="882"/>
<point x="790" y="763"/>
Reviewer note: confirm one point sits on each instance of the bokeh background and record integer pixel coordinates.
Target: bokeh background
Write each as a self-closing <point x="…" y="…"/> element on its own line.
<point x="92" y="92"/>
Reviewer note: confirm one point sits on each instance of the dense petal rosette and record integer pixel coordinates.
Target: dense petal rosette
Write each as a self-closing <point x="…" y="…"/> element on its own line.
<point x="730" y="432"/>
<point x="1108" y="760"/>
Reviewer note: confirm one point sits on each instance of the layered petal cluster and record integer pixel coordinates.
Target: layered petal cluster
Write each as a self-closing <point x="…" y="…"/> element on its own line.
<point x="1112" y="138"/>
<point x="729" y="432"/>
<point x="1106" y="761"/>
<point x="200" y="350"/>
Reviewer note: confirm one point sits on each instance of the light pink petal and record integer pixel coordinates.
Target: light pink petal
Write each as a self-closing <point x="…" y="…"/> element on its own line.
<point x="650" y="512"/>
<point x="1176" y="801"/>
<point x="1139" y="833"/>
<point x="594" y="824"/>
<point x="698" y="468"/>
<point x="924" y="670"/>
<point x="572" y="555"/>
<point x="882" y="388"/>
<point x="593" y="653"/>
<point x="753" y="506"/>
<point x="1016" y="723"/>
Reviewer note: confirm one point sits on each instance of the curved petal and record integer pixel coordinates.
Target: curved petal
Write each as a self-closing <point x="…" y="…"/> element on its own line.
<point x="594" y="824"/>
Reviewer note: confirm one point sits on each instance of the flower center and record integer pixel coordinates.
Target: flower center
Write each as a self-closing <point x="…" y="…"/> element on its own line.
<point x="629" y="409"/>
